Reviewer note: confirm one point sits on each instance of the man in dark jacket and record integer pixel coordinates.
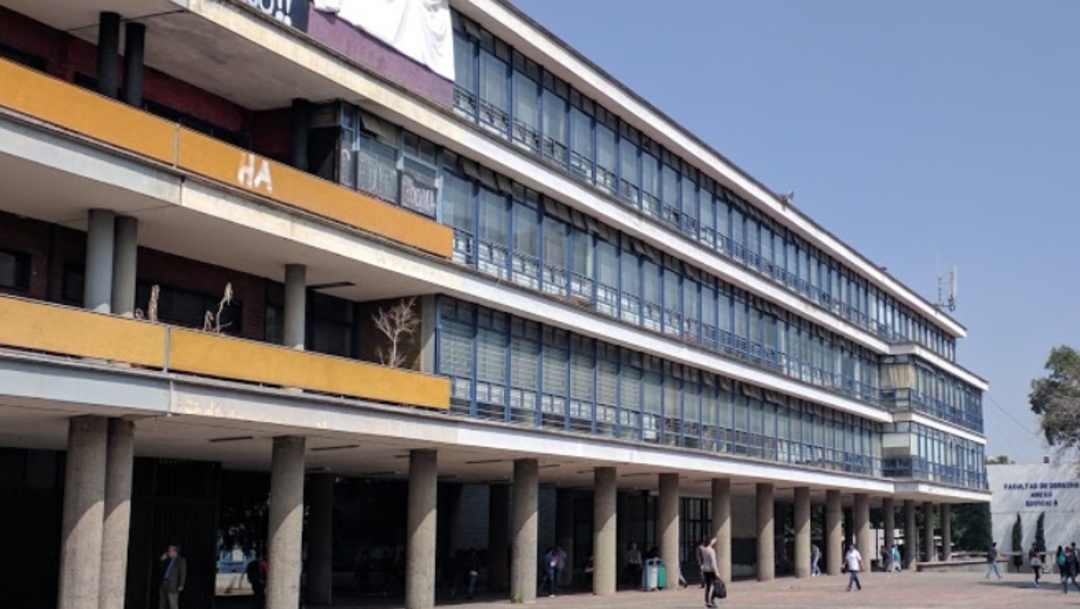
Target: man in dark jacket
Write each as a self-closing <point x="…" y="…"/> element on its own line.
<point x="173" y="570"/>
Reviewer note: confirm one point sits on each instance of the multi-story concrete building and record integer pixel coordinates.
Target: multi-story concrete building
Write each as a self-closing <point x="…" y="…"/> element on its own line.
<point x="607" y="333"/>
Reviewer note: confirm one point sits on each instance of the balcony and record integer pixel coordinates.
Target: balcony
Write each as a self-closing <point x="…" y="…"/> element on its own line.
<point x="56" y="330"/>
<point x="85" y="114"/>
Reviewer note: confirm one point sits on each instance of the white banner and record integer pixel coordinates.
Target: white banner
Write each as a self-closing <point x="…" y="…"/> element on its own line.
<point x="420" y="29"/>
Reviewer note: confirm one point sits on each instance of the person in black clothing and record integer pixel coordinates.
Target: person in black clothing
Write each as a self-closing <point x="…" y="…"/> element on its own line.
<point x="1069" y="571"/>
<point x="256" y="575"/>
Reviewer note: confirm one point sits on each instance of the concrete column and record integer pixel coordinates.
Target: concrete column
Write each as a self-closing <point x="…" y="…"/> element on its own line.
<point x="667" y="527"/>
<point x="888" y="508"/>
<point x="321" y="539"/>
<point x="301" y="110"/>
<point x="108" y="54"/>
<point x="862" y="527"/>
<point x="721" y="524"/>
<point x="125" y="262"/>
<point x="295" y="306"/>
<point x="84" y="512"/>
<point x="498" y="537"/>
<point x="911" y="534"/>
<point x="623" y="529"/>
<point x="286" y="523"/>
<point x="428" y="338"/>
<point x="946" y="532"/>
<point x="834" y="534"/>
<point x="120" y="460"/>
<point x="564" y="531"/>
<point x="422" y="523"/>
<point x="928" y="532"/>
<point x="526" y="521"/>
<point x="605" y="518"/>
<point x="134" y="51"/>
<point x="802" y="531"/>
<point x="766" y="533"/>
<point x="100" y="243"/>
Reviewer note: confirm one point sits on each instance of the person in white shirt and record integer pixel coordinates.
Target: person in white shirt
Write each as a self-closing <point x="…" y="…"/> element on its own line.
<point x="634" y="565"/>
<point x="854" y="563"/>
<point x="709" y="568"/>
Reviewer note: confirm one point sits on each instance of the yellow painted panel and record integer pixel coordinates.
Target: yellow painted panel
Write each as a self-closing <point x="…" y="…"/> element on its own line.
<point x="213" y="159"/>
<point x="229" y="358"/>
<point x="73" y="108"/>
<point x="65" y="331"/>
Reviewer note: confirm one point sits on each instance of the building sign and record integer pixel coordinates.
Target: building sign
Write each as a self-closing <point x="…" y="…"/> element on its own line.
<point x="293" y="13"/>
<point x="1040" y="494"/>
<point x="1030" y="491"/>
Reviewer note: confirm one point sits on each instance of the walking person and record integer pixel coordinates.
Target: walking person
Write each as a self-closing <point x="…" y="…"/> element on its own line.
<point x="550" y="564"/>
<point x="473" y="565"/>
<point x="562" y="559"/>
<point x="256" y="575"/>
<point x="991" y="561"/>
<point x="709" y="569"/>
<point x="897" y="565"/>
<point x="173" y="578"/>
<point x="815" y="558"/>
<point x="854" y="562"/>
<point x="634" y="565"/>
<point x="1070" y="571"/>
<point x="1035" y="559"/>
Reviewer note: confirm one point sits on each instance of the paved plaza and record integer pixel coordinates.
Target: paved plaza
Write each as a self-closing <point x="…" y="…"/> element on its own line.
<point x="898" y="591"/>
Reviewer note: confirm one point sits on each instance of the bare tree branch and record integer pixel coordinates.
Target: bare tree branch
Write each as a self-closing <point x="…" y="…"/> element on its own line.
<point x="396" y="323"/>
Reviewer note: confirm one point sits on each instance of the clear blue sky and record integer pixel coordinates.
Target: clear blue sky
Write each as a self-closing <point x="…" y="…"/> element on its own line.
<point x="913" y="130"/>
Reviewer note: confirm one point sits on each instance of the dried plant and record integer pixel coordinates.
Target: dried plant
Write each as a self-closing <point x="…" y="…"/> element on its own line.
<point x="396" y="323"/>
<point x="212" y="320"/>
<point x="151" y="307"/>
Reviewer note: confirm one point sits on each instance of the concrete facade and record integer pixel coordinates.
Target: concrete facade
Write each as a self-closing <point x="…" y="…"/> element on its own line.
<point x="84" y="511"/>
<point x="286" y="523"/>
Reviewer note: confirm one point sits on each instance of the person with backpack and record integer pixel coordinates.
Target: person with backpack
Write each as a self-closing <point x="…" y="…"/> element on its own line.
<point x="1069" y="570"/>
<point x="551" y="566"/>
<point x="991" y="561"/>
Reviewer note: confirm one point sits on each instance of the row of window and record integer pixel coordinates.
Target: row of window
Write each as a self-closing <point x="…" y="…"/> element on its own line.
<point x="508" y="369"/>
<point x="913" y="450"/>
<point x="517" y="99"/>
<point x="510" y="232"/>
<point x="910" y="384"/>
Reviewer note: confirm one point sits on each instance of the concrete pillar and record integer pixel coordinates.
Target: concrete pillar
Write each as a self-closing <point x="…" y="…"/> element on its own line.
<point x="134" y="52"/>
<point x="623" y="528"/>
<point x="564" y="531"/>
<point x="295" y="305"/>
<point x="428" y="337"/>
<point x="946" y="532"/>
<point x="422" y="529"/>
<point x="766" y="533"/>
<point x="888" y="509"/>
<point x="721" y="524"/>
<point x="301" y="110"/>
<point x="84" y="512"/>
<point x="834" y="534"/>
<point x="862" y="527"/>
<point x="125" y="261"/>
<point x="321" y="539"/>
<point x="120" y="459"/>
<point x="100" y="243"/>
<point x="498" y="537"/>
<point x="286" y="523"/>
<point x="667" y="527"/>
<point x="802" y="531"/>
<point x="849" y="527"/>
<point x="928" y="532"/>
<point x="526" y="521"/>
<point x="108" y="54"/>
<point x="605" y="517"/>
<point x="911" y="534"/>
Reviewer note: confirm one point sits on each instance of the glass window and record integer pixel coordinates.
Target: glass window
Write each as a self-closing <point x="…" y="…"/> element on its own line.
<point x="526" y="111"/>
<point x="629" y="176"/>
<point x="14" y="270"/>
<point x="606" y="161"/>
<point x="494" y="93"/>
<point x="465" y="73"/>
<point x="650" y="174"/>
<point x="555" y="126"/>
<point x="581" y="144"/>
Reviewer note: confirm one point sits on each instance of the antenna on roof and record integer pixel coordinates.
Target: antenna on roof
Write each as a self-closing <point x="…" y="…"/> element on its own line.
<point x="947" y="300"/>
<point x="787" y="198"/>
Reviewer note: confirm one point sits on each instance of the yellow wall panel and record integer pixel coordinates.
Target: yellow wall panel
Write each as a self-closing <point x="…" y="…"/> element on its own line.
<point x="62" y="104"/>
<point x="238" y="168"/>
<point x="66" y="331"/>
<point x="218" y="356"/>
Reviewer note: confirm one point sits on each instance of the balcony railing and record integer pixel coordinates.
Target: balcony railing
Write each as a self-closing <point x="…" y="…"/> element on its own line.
<point x="58" y="330"/>
<point x="914" y="401"/>
<point x="87" y="114"/>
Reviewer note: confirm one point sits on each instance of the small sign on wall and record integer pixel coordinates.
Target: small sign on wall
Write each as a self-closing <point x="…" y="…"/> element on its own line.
<point x="293" y="13"/>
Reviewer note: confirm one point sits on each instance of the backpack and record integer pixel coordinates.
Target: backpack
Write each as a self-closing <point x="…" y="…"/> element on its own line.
<point x="719" y="590"/>
<point x="1061" y="559"/>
